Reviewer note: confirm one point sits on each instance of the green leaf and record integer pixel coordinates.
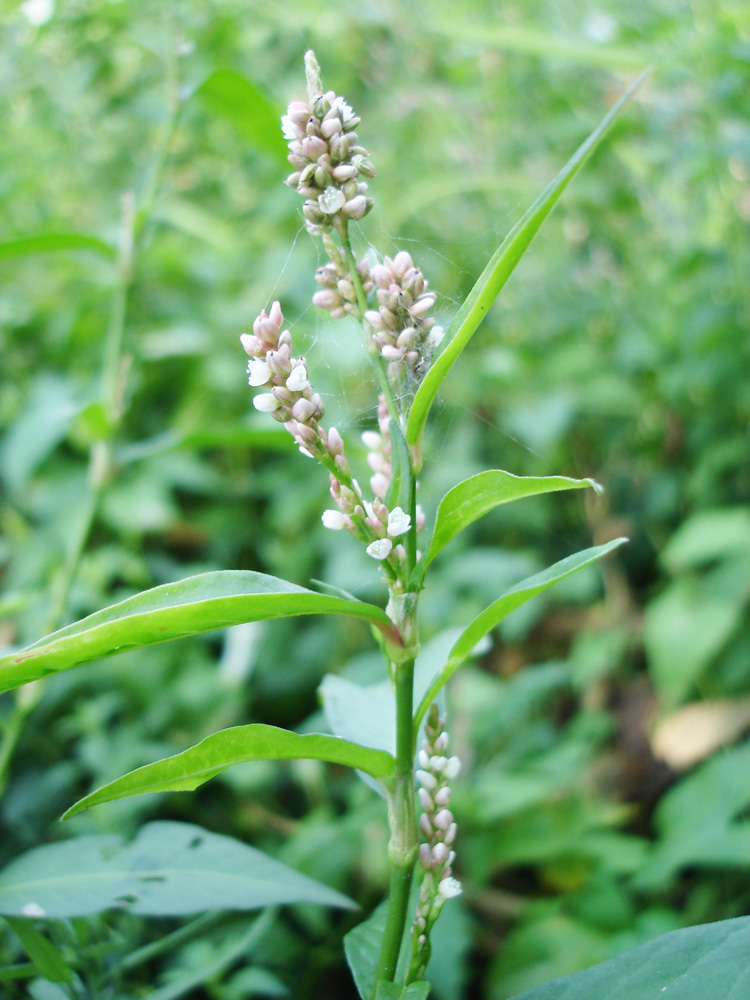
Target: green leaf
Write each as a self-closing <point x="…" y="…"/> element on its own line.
<point x="708" y="962"/>
<point x="474" y="497"/>
<point x="503" y="606"/>
<point x="47" y="959"/>
<point x="498" y="270"/>
<point x="193" y="767"/>
<point x="398" y="490"/>
<point x="174" y="610"/>
<point x="707" y="536"/>
<point x="251" y="111"/>
<point x="170" y="869"/>
<point x="54" y="243"/>
<point x="362" y="948"/>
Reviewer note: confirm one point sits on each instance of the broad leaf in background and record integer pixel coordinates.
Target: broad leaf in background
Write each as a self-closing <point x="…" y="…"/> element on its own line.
<point x="397" y="991"/>
<point x="54" y="243"/>
<point x="193" y="767"/>
<point x="498" y="270"/>
<point x="172" y="611"/>
<point x="251" y="111"/>
<point x="503" y="606"/>
<point x="707" y="962"/>
<point x="480" y="494"/>
<point x="170" y="869"/>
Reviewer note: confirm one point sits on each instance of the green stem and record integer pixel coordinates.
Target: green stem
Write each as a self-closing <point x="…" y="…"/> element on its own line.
<point x="403" y="845"/>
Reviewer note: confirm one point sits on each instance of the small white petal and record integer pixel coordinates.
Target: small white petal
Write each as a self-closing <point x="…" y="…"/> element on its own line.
<point x="266" y="403"/>
<point x="333" y="519"/>
<point x="331" y="200"/>
<point x="258" y="373"/>
<point x="452" y="767"/>
<point x="368" y="509"/>
<point x="289" y="129"/>
<point x="449" y="887"/>
<point x="423" y="759"/>
<point x="371" y="440"/>
<point x="305" y="452"/>
<point x="297" y="381"/>
<point x="380" y="549"/>
<point x="398" y="522"/>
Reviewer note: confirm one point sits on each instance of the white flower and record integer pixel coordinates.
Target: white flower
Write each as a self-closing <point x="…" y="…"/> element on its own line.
<point x="331" y="200"/>
<point x="342" y="109"/>
<point x="266" y="403"/>
<point x="258" y="373"/>
<point x="449" y="887"/>
<point x="380" y="549"/>
<point x="297" y="381"/>
<point x="333" y="519"/>
<point x="289" y="129"/>
<point x="398" y="522"/>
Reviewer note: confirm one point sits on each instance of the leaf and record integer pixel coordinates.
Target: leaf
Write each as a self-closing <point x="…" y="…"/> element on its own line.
<point x="171" y="611"/>
<point x="706" y="536"/>
<point x="54" y="243"/>
<point x="498" y="270"/>
<point x="47" y="960"/>
<point x="708" y="962"/>
<point x="193" y="767"/>
<point x="251" y="111"/>
<point x="503" y="606"/>
<point x="362" y="949"/>
<point x="170" y="869"/>
<point x="474" y="497"/>
<point x="398" y="490"/>
<point x="397" y="991"/>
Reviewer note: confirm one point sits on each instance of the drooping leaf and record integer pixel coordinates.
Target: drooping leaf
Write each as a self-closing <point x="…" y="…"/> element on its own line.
<point x="171" y="611"/>
<point x="474" y="497"/>
<point x="238" y="745"/>
<point x="498" y="270"/>
<point x="54" y="243"/>
<point x="170" y="869"/>
<point x="48" y="961"/>
<point x="708" y="962"/>
<point x="503" y="606"/>
<point x="242" y="102"/>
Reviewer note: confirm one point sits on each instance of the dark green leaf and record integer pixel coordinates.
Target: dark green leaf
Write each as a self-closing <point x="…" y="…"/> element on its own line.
<point x="170" y="869"/>
<point x="362" y="948"/>
<point x="48" y="961"/>
<point x="174" y="610"/>
<point x="503" y="606"/>
<point x="196" y="765"/>
<point x="708" y="962"/>
<point x="498" y="270"/>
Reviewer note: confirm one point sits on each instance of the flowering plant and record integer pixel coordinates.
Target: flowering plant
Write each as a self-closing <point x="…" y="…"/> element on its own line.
<point x="408" y="758"/>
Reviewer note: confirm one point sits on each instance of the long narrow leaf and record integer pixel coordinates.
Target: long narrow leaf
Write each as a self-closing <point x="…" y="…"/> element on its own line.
<point x="499" y="269"/>
<point x="174" y="610"/>
<point x="54" y="243"/>
<point x="503" y="606"/>
<point x="238" y="745"/>
<point x="474" y="497"/>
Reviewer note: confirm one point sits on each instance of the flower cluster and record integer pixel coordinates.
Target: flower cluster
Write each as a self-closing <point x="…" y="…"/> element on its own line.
<point x="338" y="294"/>
<point x="289" y="398"/>
<point x="438" y="827"/>
<point x="327" y="160"/>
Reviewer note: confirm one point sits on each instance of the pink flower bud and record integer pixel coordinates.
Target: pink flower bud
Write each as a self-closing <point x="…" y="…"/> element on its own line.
<point x="379" y="484"/>
<point x="422" y="306"/>
<point x="344" y="172"/>
<point x="426" y="800"/>
<point x="425" y="826"/>
<point x="443" y="819"/>
<point x="401" y="263"/>
<point x="440" y="854"/>
<point x="425" y="857"/>
<point x="381" y="275"/>
<point x="335" y="442"/>
<point x="443" y="796"/>
<point x="356" y="207"/>
<point x="392" y="353"/>
<point x="252" y="345"/>
<point x="330" y="127"/>
<point x="302" y="410"/>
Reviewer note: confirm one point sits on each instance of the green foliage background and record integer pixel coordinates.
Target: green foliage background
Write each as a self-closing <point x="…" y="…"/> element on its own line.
<point x="619" y="350"/>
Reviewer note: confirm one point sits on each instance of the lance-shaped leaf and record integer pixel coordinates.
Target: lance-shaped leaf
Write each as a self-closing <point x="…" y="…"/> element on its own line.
<point x="54" y="243"/>
<point x="187" y="770"/>
<point x="503" y="606"/>
<point x="498" y="270"/>
<point x="170" y="869"/>
<point x="174" y="610"/>
<point x="474" y="497"/>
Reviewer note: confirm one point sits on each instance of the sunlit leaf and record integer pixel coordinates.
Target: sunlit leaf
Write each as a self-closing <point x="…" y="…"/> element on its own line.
<point x="498" y="270"/>
<point x="503" y="606"/>
<point x="238" y="745"/>
<point x="54" y="243"/>
<point x="174" y="610"/>
<point x="170" y="869"/>
<point x="479" y="494"/>
<point x="707" y="962"/>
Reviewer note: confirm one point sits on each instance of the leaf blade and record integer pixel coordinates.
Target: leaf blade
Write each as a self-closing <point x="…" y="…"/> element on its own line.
<point x="499" y="269"/>
<point x="477" y="495"/>
<point x="28" y="246"/>
<point x="193" y="767"/>
<point x="509" y="601"/>
<point x="188" y="607"/>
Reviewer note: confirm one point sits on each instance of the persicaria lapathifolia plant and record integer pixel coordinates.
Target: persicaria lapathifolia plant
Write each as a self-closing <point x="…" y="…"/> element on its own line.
<point x="410" y="356"/>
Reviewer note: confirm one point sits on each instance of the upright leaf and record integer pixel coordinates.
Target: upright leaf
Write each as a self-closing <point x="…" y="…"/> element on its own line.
<point x="498" y="270"/>
<point x="170" y="869"/>
<point x="193" y="767"/>
<point x="174" y="610"/>
<point x="474" y="497"/>
<point x="707" y="962"/>
<point x="362" y="948"/>
<point x="48" y="961"/>
<point x="503" y="606"/>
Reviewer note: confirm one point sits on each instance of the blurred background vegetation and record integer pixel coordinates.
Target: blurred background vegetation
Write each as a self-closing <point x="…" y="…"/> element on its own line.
<point x="594" y="813"/>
